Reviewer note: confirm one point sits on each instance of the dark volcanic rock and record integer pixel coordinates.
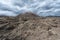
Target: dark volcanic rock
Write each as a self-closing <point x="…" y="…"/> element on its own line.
<point x="29" y="26"/>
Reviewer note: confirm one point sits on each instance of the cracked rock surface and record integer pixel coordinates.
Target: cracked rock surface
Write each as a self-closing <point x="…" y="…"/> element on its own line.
<point x="29" y="26"/>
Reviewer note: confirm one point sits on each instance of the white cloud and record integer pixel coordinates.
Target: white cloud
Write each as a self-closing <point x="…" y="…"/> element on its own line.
<point x="7" y="13"/>
<point x="41" y="7"/>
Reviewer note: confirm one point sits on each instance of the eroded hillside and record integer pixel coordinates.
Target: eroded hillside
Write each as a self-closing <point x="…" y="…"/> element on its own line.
<point x="29" y="26"/>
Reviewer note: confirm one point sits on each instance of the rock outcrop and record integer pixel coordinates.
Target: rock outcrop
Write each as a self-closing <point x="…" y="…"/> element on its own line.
<point x="29" y="26"/>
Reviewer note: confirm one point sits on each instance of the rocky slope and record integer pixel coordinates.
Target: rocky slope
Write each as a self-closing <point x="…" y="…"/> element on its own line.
<point x="29" y="26"/>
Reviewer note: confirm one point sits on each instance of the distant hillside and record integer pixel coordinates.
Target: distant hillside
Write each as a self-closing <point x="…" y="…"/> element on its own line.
<point x="29" y="26"/>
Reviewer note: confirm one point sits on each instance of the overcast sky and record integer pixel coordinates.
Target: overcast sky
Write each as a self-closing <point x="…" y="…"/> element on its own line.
<point x="40" y="7"/>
